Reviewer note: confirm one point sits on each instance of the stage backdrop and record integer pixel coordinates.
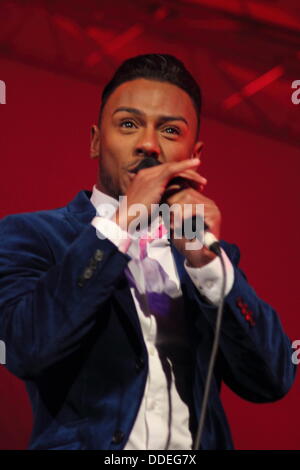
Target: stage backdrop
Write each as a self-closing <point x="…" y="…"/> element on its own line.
<point x="44" y="147"/>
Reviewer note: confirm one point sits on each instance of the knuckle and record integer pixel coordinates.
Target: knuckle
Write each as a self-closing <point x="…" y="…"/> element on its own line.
<point x="189" y="195"/>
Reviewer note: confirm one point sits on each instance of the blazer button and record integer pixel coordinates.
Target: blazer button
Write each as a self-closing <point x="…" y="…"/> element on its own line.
<point x="117" y="437"/>
<point x="93" y="264"/>
<point x="87" y="273"/>
<point x="98" y="255"/>
<point x="240" y="303"/>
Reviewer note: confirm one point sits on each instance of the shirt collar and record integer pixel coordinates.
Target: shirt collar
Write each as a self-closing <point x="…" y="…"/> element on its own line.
<point x="103" y="203"/>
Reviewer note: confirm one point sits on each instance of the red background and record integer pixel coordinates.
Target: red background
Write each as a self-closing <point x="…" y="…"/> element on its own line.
<point x="44" y="148"/>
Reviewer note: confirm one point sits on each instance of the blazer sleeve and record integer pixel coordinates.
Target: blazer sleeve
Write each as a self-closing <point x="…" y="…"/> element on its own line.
<point x="255" y="354"/>
<point x="46" y="308"/>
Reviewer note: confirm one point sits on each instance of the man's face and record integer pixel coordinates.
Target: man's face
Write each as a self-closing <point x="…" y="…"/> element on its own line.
<point x="142" y="118"/>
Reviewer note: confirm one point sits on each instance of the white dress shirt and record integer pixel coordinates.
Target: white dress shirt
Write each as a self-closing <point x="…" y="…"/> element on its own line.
<point x="163" y="419"/>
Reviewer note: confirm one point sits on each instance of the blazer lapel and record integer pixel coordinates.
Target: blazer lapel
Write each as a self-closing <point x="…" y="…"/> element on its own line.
<point x="188" y="288"/>
<point x="80" y="213"/>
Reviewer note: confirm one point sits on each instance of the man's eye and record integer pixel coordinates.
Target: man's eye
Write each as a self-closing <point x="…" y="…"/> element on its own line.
<point x="127" y="122"/>
<point x="173" y="129"/>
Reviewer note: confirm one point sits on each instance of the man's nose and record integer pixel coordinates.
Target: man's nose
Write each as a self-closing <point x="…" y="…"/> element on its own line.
<point x="147" y="145"/>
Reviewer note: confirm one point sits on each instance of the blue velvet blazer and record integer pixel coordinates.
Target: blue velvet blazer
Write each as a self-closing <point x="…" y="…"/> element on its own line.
<point x="72" y="334"/>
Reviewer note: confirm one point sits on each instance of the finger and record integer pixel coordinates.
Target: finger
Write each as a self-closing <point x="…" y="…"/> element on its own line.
<point x="179" y="186"/>
<point x="175" y="167"/>
<point x="165" y="171"/>
<point x="184" y="196"/>
<point x="190" y="174"/>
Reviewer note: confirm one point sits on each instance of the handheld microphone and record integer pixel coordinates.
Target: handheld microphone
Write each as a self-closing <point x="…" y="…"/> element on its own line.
<point x="210" y="241"/>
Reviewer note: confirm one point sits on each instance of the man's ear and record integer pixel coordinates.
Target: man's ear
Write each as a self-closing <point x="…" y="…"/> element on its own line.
<point x="197" y="150"/>
<point x="95" y="142"/>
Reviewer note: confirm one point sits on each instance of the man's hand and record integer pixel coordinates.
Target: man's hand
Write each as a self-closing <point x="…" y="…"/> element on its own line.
<point x="212" y="217"/>
<point x="149" y="184"/>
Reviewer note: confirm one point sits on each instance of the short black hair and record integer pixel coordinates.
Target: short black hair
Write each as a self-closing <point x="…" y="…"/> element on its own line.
<point x="160" y="67"/>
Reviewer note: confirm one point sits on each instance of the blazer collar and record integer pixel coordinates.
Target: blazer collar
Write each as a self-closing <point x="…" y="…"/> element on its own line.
<point x="80" y="209"/>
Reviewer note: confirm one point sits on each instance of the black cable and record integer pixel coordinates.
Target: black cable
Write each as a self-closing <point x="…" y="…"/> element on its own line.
<point x="216" y="249"/>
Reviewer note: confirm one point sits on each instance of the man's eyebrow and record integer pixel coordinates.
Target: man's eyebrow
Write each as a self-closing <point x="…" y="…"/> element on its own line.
<point x="160" y="118"/>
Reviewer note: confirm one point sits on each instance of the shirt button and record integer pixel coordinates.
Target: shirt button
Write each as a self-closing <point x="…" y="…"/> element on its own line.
<point x="151" y="350"/>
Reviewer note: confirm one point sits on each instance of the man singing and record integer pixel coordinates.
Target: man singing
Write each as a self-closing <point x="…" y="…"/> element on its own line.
<point x="112" y="329"/>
